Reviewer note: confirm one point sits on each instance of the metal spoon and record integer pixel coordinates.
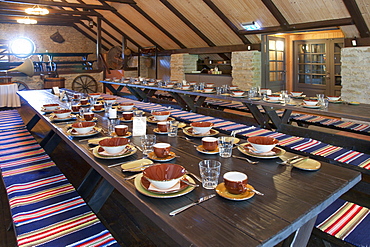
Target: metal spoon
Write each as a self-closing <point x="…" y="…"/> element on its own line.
<point x="189" y="183"/>
<point x="244" y="158"/>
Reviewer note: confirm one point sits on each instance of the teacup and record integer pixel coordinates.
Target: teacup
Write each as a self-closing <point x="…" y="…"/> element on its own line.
<point x="208" y="89"/>
<point x="51" y="107"/>
<point x="235" y="182"/>
<point x="121" y="130"/>
<point x="162" y="126"/>
<point x="209" y="143"/>
<point x="84" y="101"/>
<point x="127" y="106"/>
<point x="88" y="116"/>
<point x="76" y="108"/>
<point x="162" y="150"/>
<point x="127" y="115"/>
<point x="98" y="107"/>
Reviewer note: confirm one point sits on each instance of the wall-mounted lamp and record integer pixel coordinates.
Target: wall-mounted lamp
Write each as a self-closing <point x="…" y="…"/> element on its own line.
<point x="251" y="26"/>
<point x="354" y="42"/>
<point x="91" y="24"/>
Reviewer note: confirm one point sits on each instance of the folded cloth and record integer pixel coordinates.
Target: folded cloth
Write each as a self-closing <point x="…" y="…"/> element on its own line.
<point x="175" y="187"/>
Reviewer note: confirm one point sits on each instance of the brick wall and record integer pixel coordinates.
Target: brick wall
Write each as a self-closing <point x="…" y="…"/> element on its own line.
<point x="356" y="74"/>
<point x="246" y="69"/>
<point x="181" y="64"/>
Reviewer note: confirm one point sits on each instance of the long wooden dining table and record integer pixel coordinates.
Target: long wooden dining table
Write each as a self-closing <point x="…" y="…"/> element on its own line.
<point x="269" y="118"/>
<point x="287" y="211"/>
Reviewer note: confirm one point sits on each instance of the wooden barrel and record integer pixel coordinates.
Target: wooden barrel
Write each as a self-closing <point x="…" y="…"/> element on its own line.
<point x="54" y="82"/>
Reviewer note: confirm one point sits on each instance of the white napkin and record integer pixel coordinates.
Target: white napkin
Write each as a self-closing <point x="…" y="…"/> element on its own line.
<point x="252" y="150"/>
<point x="175" y="187"/>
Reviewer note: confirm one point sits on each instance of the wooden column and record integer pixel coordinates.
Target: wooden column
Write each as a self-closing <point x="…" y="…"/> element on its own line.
<point x="98" y="43"/>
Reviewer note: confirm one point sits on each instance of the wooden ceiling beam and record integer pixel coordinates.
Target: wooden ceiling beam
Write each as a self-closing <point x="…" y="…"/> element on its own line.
<point x="187" y="22"/>
<point x="114" y="11"/>
<point x="215" y="49"/>
<point x="45" y="18"/>
<point x="122" y="1"/>
<point x="88" y="36"/>
<point x="276" y="13"/>
<point x="226" y="20"/>
<point x="95" y="33"/>
<point x="301" y="26"/>
<point x="156" y="24"/>
<point x="60" y="4"/>
<point x="357" y="17"/>
<point x="359" y="42"/>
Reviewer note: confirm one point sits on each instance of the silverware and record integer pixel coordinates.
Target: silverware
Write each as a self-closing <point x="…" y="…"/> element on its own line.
<point x="297" y="160"/>
<point x="189" y="183"/>
<point x="195" y="176"/>
<point x="202" y="199"/>
<point x="256" y="191"/>
<point x="288" y="160"/>
<point x="234" y="132"/>
<point x="136" y="167"/>
<point x="131" y="177"/>
<point x="246" y="159"/>
<point x="139" y="148"/>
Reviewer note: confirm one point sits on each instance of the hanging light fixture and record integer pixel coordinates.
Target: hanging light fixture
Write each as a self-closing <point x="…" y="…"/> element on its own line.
<point x="27" y="20"/>
<point x="36" y="10"/>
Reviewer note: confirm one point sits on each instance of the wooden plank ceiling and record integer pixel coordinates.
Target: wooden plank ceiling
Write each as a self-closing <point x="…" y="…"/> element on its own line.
<point x="184" y="24"/>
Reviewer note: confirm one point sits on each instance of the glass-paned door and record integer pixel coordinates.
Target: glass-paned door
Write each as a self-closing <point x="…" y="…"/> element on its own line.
<point x="274" y="76"/>
<point x="317" y="66"/>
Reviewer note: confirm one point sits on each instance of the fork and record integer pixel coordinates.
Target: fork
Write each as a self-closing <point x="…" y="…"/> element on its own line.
<point x="246" y="159"/>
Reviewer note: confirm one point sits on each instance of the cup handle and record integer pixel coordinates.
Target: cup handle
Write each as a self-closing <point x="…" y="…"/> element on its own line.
<point x="243" y="187"/>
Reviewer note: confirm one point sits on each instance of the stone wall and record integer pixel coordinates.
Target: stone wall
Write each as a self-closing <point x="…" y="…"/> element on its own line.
<point x="181" y="64"/>
<point x="246" y="69"/>
<point x="356" y="74"/>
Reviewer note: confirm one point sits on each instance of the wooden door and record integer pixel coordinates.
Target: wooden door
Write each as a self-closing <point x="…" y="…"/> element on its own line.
<point x="317" y="66"/>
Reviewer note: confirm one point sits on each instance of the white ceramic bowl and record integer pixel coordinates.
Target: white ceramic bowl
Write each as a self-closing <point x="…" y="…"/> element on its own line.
<point x="208" y="89"/>
<point x="201" y="127"/>
<point x="94" y="95"/>
<point x="110" y="100"/>
<point x="170" y="85"/>
<point x="164" y="176"/>
<point x="151" y="83"/>
<point x="274" y="97"/>
<point x="62" y="113"/>
<point x="114" y="145"/>
<point x="127" y="106"/>
<point x="238" y="93"/>
<point x="296" y="94"/>
<point x="83" y="127"/>
<point x="311" y="102"/>
<point x="333" y="98"/>
<point x="210" y="84"/>
<point x="232" y="87"/>
<point x="51" y="107"/>
<point x="262" y="144"/>
<point x="185" y="87"/>
<point x="161" y="115"/>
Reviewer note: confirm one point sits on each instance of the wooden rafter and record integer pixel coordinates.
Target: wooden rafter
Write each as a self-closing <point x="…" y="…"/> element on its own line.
<point x="357" y="17"/>
<point x="302" y="26"/>
<point x="60" y="4"/>
<point x="276" y="13"/>
<point x="143" y="13"/>
<point x="95" y="33"/>
<point x="88" y="35"/>
<point x="226" y="20"/>
<point x="187" y="22"/>
<point x="52" y="18"/>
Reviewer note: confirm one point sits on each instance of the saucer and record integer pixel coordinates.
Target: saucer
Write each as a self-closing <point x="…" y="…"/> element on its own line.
<point x="336" y="101"/>
<point x="308" y="165"/>
<point x="311" y="106"/>
<point x="156" y="130"/>
<point x="203" y="151"/>
<point x="98" y="110"/>
<point x="142" y="190"/>
<point x="96" y="141"/>
<point x="176" y="188"/>
<point x="221" y="191"/>
<point x="128" y="134"/>
<point x="94" y="131"/>
<point x="124" y="120"/>
<point x="154" y="157"/>
<point x="273" y="101"/>
<point x="136" y="163"/>
<point x="54" y="118"/>
<point x="49" y="111"/>
<point x="189" y="131"/>
<point x="208" y="92"/>
<point x="353" y="103"/>
<point x="247" y="151"/>
<point x="298" y="97"/>
<point x="104" y="155"/>
<point x="255" y="98"/>
<point x="87" y="105"/>
<point x="238" y="96"/>
<point x="151" y="119"/>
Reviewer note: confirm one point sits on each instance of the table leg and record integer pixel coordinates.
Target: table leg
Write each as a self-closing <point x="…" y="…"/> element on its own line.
<point x="50" y="142"/>
<point x="261" y="119"/>
<point x="100" y="196"/>
<point x="301" y="236"/>
<point x="91" y="179"/>
<point x="32" y="122"/>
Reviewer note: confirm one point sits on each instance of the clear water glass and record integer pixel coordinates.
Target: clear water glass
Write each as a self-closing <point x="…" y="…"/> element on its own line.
<point x="147" y="142"/>
<point x="172" y="127"/>
<point x="210" y="172"/>
<point x="225" y="144"/>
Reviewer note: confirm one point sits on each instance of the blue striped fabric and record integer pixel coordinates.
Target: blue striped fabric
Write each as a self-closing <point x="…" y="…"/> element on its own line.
<point x="10" y="120"/>
<point x="46" y="209"/>
<point x="306" y="145"/>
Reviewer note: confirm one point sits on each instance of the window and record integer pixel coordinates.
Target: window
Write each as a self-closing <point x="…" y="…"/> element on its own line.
<point x="22" y="47"/>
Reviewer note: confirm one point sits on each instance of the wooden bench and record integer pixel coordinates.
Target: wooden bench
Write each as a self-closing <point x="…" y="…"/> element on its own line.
<point x="45" y="207"/>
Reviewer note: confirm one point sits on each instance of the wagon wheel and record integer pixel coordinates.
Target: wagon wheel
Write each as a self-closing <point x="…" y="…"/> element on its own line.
<point x="21" y="85"/>
<point x="85" y="84"/>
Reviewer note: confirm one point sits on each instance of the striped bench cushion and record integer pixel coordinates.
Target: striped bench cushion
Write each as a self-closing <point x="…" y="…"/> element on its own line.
<point x="46" y="208"/>
<point x="346" y="221"/>
<point x="10" y="120"/>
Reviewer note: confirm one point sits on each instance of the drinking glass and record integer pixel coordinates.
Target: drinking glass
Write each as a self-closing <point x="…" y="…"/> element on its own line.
<point x="107" y="105"/>
<point x="320" y="99"/>
<point x="218" y="90"/>
<point x="147" y="142"/>
<point x="209" y="171"/>
<point x="225" y="145"/>
<point x="172" y="127"/>
<point x="138" y="113"/>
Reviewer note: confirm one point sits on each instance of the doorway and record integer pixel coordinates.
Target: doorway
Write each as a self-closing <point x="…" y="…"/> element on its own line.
<point x="317" y="66"/>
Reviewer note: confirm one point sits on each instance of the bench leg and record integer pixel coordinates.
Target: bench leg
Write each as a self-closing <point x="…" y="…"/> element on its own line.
<point x="91" y="179"/>
<point x="32" y="122"/>
<point x="50" y="142"/>
<point x="100" y="196"/>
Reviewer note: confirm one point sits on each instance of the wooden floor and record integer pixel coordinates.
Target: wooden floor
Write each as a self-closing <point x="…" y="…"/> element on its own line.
<point x="127" y="224"/>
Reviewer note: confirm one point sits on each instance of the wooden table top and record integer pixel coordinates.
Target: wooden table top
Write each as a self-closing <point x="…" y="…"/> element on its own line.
<point x="292" y="196"/>
<point x="356" y="112"/>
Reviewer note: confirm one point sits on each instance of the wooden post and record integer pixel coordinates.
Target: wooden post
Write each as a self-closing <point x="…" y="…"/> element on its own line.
<point x="98" y="43"/>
